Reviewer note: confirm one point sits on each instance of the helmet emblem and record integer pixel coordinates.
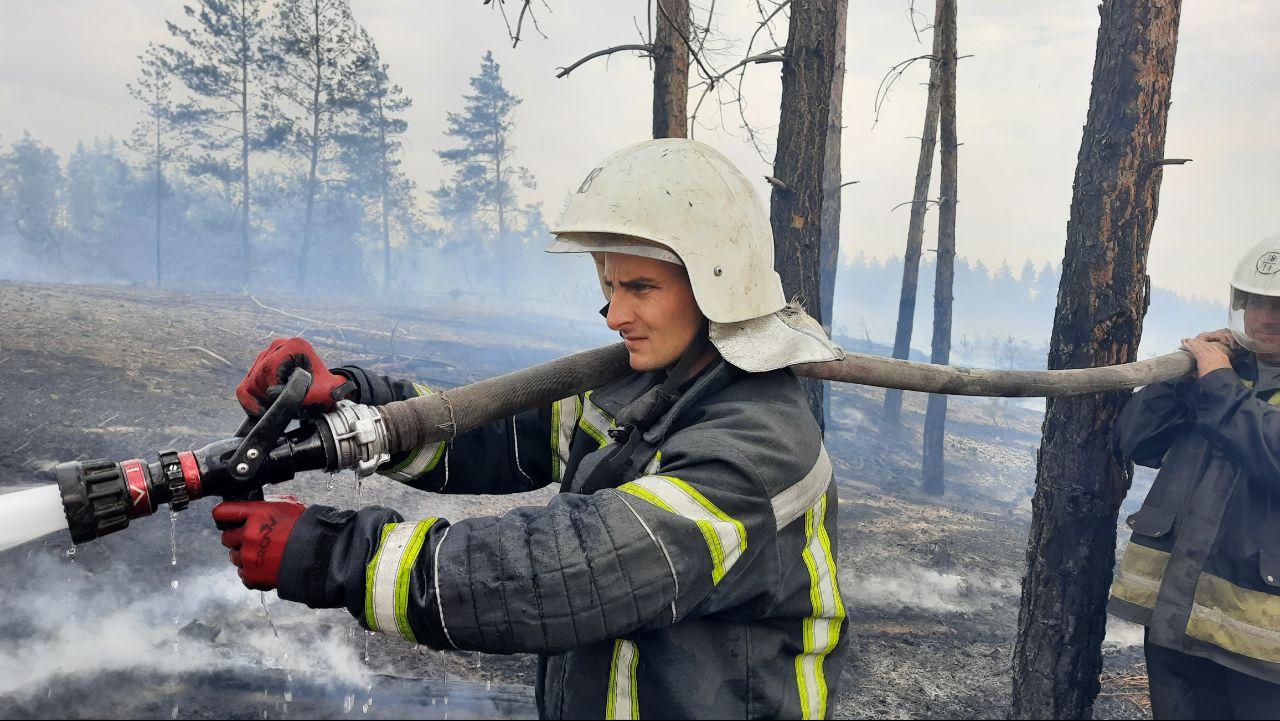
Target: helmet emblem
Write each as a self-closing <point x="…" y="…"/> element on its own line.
<point x="586" y="184"/>
<point x="1269" y="263"/>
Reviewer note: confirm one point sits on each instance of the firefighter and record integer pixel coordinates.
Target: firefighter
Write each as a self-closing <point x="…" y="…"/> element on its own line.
<point x="1202" y="569"/>
<point x="687" y="568"/>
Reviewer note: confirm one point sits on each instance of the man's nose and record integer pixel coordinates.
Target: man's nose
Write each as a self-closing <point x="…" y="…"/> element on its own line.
<point x="619" y="312"/>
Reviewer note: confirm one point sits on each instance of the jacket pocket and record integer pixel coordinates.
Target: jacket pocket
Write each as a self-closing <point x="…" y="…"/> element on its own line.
<point x="1269" y="567"/>
<point x="1153" y="522"/>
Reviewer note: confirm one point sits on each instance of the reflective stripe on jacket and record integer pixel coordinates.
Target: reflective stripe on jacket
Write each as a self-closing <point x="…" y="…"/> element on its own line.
<point x="693" y="577"/>
<point x="1202" y="568"/>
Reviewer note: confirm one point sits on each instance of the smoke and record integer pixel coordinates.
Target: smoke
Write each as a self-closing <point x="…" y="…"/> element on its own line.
<point x="1122" y="635"/>
<point x="205" y="621"/>
<point x="924" y="589"/>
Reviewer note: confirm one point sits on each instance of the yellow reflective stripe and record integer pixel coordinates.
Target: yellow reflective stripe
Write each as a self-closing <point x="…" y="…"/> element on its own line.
<point x="387" y="583"/>
<point x="654" y="465"/>
<point x="726" y="537"/>
<point x="370" y="573"/>
<point x="1237" y="619"/>
<point x="1139" y="576"/>
<point x="821" y="631"/>
<point x="623" y="701"/>
<point x="403" y="579"/>
<point x="421" y="460"/>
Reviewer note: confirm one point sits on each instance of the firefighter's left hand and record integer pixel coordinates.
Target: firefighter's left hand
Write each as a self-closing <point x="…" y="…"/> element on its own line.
<point x="1209" y="356"/>
<point x="256" y="533"/>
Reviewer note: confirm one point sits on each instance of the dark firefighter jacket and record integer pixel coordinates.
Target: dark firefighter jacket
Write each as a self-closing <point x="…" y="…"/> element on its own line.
<point x="1202" y="569"/>
<point x="693" y="575"/>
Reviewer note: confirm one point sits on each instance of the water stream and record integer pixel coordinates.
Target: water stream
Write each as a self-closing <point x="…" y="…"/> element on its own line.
<point x="30" y="514"/>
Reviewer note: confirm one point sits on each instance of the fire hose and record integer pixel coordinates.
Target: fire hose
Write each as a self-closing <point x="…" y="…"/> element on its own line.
<point x="101" y="496"/>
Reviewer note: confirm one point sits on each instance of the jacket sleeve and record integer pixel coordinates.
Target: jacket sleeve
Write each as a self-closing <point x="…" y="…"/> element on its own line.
<point x="695" y="537"/>
<point x="1152" y="420"/>
<point x="517" y="454"/>
<point x="1244" y="427"/>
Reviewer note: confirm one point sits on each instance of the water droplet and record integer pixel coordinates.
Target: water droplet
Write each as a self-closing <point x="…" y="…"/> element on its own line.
<point x="71" y="552"/>
<point x="173" y="584"/>
<point x="174" y="713"/>
<point x="348" y="702"/>
<point x="288" y="696"/>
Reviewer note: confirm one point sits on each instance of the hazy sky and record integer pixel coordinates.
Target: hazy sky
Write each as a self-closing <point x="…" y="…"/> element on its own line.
<point x="1022" y="102"/>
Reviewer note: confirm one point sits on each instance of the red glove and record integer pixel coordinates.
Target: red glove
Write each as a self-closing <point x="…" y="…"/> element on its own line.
<point x="272" y="367"/>
<point x="256" y="533"/>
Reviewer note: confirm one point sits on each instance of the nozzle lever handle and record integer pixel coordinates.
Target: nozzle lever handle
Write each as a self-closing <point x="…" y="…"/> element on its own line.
<point x="247" y="459"/>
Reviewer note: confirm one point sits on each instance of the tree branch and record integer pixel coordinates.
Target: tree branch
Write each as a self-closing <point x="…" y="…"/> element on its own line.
<point x="645" y="48"/>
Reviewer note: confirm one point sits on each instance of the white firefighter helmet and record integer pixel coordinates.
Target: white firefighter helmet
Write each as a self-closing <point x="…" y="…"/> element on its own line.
<point x="682" y="201"/>
<point x="1255" y="286"/>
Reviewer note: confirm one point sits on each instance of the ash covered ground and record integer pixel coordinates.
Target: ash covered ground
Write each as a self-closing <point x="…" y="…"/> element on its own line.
<point x="152" y="622"/>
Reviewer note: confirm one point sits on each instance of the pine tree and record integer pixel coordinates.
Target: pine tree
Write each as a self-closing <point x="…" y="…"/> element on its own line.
<point x="311" y="59"/>
<point x="371" y="145"/>
<point x="221" y="65"/>
<point x="481" y="198"/>
<point x="153" y="89"/>
<point x="31" y="183"/>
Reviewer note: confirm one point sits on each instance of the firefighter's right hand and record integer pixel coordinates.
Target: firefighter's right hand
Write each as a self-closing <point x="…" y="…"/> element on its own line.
<point x="271" y="370"/>
<point x="256" y="533"/>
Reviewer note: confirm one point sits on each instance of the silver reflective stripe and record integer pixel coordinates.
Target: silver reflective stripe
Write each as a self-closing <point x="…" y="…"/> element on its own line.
<point x="675" y="578"/>
<point x="800" y="496"/>
<point x="421" y="460"/>
<point x="595" y="422"/>
<point x="623" y="702"/>
<point x="564" y="418"/>
<point x="822" y="629"/>
<point x="389" y="576"/>
<point x="726" y="537"/>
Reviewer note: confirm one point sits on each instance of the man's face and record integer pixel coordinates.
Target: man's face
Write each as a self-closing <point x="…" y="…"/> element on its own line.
<point x="1262" y="322"/>
<point x="651" y="306"/>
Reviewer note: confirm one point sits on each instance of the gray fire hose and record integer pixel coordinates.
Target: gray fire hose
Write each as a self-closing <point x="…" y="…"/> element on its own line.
<point x="410" y="424"/>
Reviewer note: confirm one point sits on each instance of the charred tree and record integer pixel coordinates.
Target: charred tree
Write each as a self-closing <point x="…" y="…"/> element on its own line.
<point x="829" y="245"/>
<point x="915" y="228"/>
<point x="935" y="419"/>
<point x="1081" y="476"/>
<point x="671" y="69"/>
<point x="812" y="53"/>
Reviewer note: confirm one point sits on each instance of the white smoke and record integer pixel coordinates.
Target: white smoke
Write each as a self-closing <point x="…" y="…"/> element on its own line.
<point x="85" y="628"/>
<point x="924" y="589"/>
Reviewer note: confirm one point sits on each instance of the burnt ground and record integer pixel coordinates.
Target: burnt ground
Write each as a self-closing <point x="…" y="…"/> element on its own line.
<point x="153" y="623"/>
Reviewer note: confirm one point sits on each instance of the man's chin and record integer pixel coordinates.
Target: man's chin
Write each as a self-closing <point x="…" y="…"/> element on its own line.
<point x="643" y="362"/>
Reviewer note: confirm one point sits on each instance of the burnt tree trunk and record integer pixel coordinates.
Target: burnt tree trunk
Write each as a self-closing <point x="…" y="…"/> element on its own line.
<point x="1081" y="476"/>
<point x="915" y="228"/>
<point x="796" y="205"/>
<point x="935" y="419"/>
<point x="671" y="69"/>
<point x="829" y="245"/>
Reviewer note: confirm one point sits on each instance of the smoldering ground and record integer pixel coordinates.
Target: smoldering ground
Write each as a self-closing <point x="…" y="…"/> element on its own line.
<point x="930" y="584"/>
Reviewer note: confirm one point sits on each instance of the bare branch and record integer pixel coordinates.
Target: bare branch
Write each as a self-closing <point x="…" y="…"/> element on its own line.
<point x="892" y="76"/>
<point x="1170" y="161"/>
<point x="927" y="202"/>
<point x="646" y="48"/>
<point x="697" y="57"/>
<point x="781" y="186"/>
<point x="851" y="182"/>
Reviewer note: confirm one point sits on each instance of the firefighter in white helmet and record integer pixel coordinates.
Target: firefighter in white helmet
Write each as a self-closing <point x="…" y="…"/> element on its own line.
<point x="688" y="566"/>
<point x="1202" y="569"/>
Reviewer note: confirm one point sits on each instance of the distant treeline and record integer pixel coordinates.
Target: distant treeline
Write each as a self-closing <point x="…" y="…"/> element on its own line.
<point x="268" y="154"/>
<point x="1003" y="317"/>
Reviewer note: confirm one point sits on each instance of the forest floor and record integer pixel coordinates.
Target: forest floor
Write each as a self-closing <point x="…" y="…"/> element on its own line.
<point x="152" y="622"/>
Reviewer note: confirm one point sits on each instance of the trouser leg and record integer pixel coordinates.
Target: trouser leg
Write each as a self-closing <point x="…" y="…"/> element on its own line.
<point x="1184" y="686"/>
<point x="1252" y="698"/>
